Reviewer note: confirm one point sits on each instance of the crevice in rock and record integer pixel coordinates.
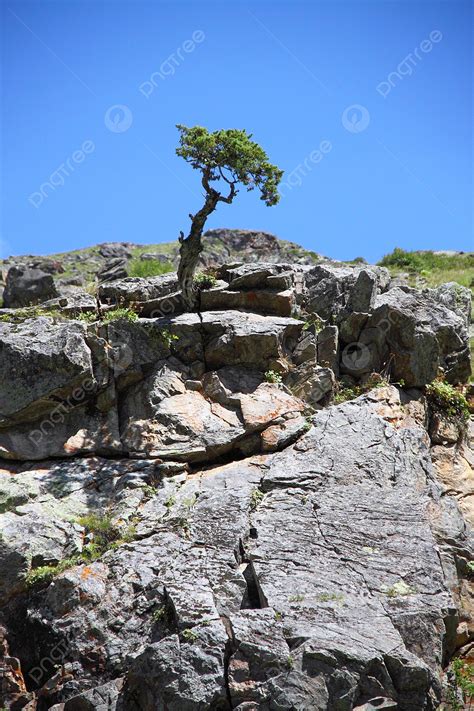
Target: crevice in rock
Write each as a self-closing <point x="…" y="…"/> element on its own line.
<point x="254" y="597"/>
<point x="228" y="650"/>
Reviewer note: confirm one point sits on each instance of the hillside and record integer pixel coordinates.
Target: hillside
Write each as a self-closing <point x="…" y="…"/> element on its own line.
<point x="266" y="504"/>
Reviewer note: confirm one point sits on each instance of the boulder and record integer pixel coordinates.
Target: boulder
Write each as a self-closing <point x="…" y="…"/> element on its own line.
<point x="333" y="292"/>
<point x="27" y="287"/>
<point x="112" y="270"/>
<point x="413" y="336"/>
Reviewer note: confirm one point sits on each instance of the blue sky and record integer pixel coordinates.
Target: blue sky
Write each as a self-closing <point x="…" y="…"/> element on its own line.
<point x="385" y="88"/>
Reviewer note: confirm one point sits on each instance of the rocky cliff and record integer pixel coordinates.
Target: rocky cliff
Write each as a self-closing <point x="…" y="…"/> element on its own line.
<point x="265" y="504"/>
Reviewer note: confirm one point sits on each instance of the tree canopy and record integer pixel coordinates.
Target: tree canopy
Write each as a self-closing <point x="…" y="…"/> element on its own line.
<point x="230" y="155"/>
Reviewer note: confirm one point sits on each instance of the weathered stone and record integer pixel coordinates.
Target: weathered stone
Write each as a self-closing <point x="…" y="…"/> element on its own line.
<point x="26" y="287"/>
<point x="328" y="348"/>
<point x="112" y="270"/>
<point x="311" y="383"/>
<point x="335" y="291"/>
<point x="278" y="303"/>
<point x="413" y="335"/>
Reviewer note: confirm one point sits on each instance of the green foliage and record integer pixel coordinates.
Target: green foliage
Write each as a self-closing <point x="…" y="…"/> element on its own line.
<point x="426" y="261"/>
<point x="170" y="501"/>
<point x="272" y="376"/>
<point x="120" y="314"/>
<point x="205" y="281"/>
<point x="296" y="598"/>
<point x="314" y="323"/>
<point x="350" y="393"/>
<point x="255" y="498"/>
<point x="231" y="156"/>
<point x="149" y="491"/>
<point x="160" y="614"/>
<point x="168" y="337"/>
<point x="22" y="314"/>
<point x="444" y="398"/>
<point x="87" y="316"/>
<point x="460" y="692"/>
<point x="399" y="589"/>
<point x="330" y="597"/>
<point x="290" y="662"/>
<point x="434" y="268"/>
<point x="189" y="635"/>
<point x="148" y="267"/>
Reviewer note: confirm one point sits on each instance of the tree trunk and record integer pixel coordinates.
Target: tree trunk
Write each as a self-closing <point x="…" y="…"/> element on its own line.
<point x="191" y="248"/>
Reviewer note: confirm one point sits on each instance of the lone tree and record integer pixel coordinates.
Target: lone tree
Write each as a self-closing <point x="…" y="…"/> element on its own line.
<point x="226" y="158"/>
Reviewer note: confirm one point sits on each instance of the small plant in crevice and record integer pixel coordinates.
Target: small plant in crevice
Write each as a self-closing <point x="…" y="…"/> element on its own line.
<point x="120" y="314"/>
<point x="255" y="498"/>
<point x="205" y="280"/>
<point x="330" y="597"/>
<point x="189" y="635"/>
<point x="343" y="394"/>
<point x="160" y="615"/>
<point x="400" y="589"/>
<point x="296" y="598"/>
<point x="104" y="535"/>
<point x="448" y="401"/>
<point x="313" y="323"/>
<point x="272" y="376"/>
<point x="87" y="317"/>
<point x="168" y="338"/>
<point x="460" y="687"/>
<point x="290" y="662"/>
<point x="170" y="501"/>
<point x="149" y="492"/>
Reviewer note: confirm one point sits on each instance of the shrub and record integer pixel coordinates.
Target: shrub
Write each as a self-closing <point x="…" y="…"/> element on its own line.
<point x="189" y="635"/>
<point x="148" y="267"/>
<point x="461" y="685"/>
<point x="444" y="398"/>
<point x="204" y="280"/>
<point x="272" y="376"/>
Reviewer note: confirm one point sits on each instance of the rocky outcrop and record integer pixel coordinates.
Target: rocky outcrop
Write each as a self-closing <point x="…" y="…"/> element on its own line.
<point x="188" y="521"/>
<point x="314" y="580"/>
<point x="26" y="287"/>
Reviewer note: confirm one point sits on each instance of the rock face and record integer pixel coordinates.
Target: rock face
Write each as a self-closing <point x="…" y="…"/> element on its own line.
<point x="187" y="519"/>
<point x="26" y="287"/>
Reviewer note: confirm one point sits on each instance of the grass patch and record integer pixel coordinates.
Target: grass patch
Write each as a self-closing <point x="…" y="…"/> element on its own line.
<point x="104" y="534"/>
<point x="350" y="393"/>
<point x="120" y="314"/>
<point x="435" y="269"/>
<point x="148" y="267"/>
